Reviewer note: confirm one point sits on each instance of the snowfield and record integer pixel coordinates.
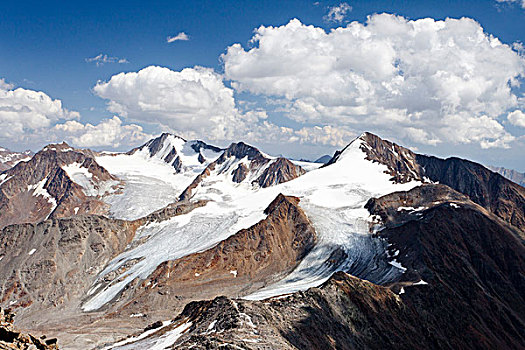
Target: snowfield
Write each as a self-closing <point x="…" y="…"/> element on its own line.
<point x="150" y="182"/>
<point x="332" y="197"/>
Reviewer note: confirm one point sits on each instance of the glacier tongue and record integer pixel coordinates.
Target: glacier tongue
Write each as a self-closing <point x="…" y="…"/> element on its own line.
<point x="333" y="198"/>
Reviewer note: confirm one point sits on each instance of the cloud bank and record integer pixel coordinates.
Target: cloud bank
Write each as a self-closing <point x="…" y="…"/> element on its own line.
<point x="423" y="80"/>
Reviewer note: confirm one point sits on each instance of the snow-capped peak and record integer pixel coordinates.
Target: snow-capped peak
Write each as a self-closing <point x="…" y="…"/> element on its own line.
<point x="178" y="152"/>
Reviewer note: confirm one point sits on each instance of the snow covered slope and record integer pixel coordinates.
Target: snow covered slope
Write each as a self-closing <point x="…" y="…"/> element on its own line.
<point x="333" y="197"/>
<point x="155" y="174"/>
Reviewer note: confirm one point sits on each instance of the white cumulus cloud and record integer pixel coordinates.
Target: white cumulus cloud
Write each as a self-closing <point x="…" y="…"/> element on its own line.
<point x="423" y="80"/>
<point x="338" y="13"/>
<point x="109" y="132"/>
<point x="24" y="112"/>
<point x="179" y="37"/>
<point x="193" y="102"/>
<point x="517" y="118"/>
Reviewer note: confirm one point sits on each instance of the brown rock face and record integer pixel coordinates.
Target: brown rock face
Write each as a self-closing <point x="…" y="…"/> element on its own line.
<point x="473" y="262"/>
<point x="53" y="263"/>
<point x="21" y="198"/>
<point x="243" y="263"/>
<point x="492" y="191"/>
<point x="282" y="170"/>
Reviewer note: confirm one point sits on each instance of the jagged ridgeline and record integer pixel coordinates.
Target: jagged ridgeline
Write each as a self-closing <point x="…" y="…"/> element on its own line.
<point x="182" y="244"/>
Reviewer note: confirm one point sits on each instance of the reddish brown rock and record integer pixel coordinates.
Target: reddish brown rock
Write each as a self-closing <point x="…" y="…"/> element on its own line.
<point x="20" y="201"/>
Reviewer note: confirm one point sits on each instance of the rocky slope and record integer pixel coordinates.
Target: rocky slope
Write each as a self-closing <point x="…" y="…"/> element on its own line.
<point x="463" y="288"/>
<point x="53" y="265"/>
<point x="242" y="263"/>
<point x="58" y="181"/>
<point x="11" y="339"/>
<point x="9" y="158"/>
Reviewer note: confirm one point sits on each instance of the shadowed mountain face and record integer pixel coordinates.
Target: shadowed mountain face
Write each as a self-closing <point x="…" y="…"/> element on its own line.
<point x="463" y="288"/>
<point x="492" y="191"/>
<point x="473" y="262"/>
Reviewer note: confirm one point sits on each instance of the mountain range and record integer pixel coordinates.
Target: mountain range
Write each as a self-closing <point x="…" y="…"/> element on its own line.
<point x="182" y="244"/>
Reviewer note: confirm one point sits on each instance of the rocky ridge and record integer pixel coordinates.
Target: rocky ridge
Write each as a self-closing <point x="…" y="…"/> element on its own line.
<point x="512" y="175"/>
<point x="170" y="148"/>
<point x="246" y="164"/>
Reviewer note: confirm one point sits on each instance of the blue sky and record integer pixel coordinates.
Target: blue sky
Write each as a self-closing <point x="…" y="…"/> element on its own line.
<point x="45" y="46"/>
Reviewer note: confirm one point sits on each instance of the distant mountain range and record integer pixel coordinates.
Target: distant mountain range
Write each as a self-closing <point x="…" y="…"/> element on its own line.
<point x="510" y="174"/>
<point x="181" y="244"/>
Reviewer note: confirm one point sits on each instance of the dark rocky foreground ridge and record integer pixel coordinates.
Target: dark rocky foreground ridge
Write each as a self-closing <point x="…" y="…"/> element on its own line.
<point x="12" y="339"/>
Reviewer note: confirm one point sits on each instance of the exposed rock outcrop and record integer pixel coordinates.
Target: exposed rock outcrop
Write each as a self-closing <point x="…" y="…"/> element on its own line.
<point x="12" y="339"/>
<point x="53" y="263"/>
<point x="169" y="148"/>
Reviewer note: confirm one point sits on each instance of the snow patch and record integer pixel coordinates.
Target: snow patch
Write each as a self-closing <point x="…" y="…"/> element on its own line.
<point x="32" y="251"/>
<point x="39" y="190"/>
<point x="397" y="264"/>
<point x="234" y="273"/>
<point x="4" y="178"/>
<point x="135" y="339"/>
<point x="83" y="177"/>
<point x="412" y="208"/>
<point x="420" y="283"/>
